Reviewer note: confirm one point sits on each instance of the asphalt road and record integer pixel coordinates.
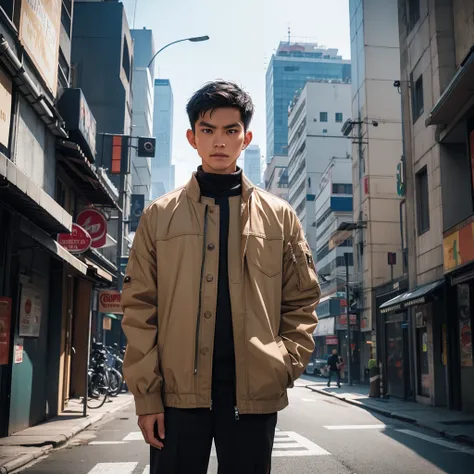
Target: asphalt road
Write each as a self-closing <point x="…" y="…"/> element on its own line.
<point x="317" y="434"/>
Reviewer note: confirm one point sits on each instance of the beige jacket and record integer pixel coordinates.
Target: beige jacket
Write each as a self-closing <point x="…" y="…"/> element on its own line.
<point x="170" y="292"/>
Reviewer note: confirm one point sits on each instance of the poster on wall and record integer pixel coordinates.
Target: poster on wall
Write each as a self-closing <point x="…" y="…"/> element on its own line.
<point x="465" y="337"/>
<point x="5" y="318"/>
<point x="30" y="312"/>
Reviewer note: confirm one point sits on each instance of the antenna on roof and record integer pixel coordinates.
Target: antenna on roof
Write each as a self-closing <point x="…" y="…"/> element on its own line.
<point x="289" y="34"/>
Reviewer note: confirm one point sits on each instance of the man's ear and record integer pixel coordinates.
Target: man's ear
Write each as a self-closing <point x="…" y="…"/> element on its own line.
<point x="248" y="138"/>
<point x="191" y="138"/>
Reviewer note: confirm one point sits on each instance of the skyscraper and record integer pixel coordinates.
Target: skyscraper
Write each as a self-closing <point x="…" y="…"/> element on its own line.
<point x="142" y="108"/>
<point x="162" y="170"/>
<point x="252" y="168"/>
<point x="290" y="68"/>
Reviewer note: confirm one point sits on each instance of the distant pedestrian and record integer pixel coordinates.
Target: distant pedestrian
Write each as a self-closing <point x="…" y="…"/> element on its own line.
<point x="219" y="303"/>
<point x="335" y="364"/>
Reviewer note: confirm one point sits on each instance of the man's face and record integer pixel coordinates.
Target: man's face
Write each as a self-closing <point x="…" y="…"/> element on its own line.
<point x="219" y="139"/>
<point x="334" y="351"/>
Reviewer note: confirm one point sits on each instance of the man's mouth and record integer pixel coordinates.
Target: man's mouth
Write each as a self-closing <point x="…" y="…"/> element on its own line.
<point x="220" y="155"/>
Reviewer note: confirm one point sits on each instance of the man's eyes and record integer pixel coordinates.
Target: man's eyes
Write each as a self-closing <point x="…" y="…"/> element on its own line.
<point x="209" y="131"/>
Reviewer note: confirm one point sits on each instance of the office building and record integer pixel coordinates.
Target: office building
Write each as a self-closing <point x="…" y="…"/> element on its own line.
<point x="375" y="129"/>
<point x="291" y="66"/>
<point x="142" y="109"/>
<point x="162" y="167"/>
<point x="315" y="119"/>
<point x="276" y="176"/>
<point x="334" y="207"/>
<point x="252" y="164"/>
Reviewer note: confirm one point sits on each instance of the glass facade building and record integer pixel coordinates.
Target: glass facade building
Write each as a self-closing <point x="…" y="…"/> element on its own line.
<point x="290" y="68"/>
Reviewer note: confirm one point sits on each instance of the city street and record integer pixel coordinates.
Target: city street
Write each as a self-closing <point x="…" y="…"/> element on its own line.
<point x="315" y="434"/>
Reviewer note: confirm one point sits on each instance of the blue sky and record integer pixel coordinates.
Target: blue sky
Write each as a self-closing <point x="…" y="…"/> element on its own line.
<point x="244" y="34"/>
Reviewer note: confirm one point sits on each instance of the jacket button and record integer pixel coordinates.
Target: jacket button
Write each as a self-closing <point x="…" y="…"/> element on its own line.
<point x="211" y="247"/>
<point x="211" y="210"/>
<point x="204" y="351"/>
<point x="209" y="278"/>
<point x="208" y="315"/>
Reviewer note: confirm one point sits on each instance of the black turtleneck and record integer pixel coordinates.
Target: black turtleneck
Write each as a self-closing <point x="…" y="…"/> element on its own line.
<point x="220" y="187"/>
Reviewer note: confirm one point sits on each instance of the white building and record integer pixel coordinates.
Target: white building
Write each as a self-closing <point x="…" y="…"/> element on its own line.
<point x="377" y="149"/>
<point x="333" y="207"/>
<point x="162" y="169"/>
<point x="142" y="109"/>
<point x="276" y="176"/>
<point x="314" y="123"/>
<point x="252" y="164"/>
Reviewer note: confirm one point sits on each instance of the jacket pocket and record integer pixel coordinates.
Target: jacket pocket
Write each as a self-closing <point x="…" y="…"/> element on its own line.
<point x="304" y="266"/>
<point x="265" y="254"/>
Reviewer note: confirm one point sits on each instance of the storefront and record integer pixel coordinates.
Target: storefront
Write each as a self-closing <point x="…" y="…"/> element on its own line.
<point x="323" y="334"/>
<point x="459" y="267"/>
<point x="413" y="348"/>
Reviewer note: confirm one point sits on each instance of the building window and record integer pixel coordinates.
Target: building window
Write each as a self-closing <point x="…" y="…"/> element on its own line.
<point x="342" y="188"/>
<point x="412" y="9"/>
<point x="323" y="116"/>
<point x="339" y="117"/>
<point x="126" y="58"/>
<point x="417" y="98"/>
<point x="422" y="201"/>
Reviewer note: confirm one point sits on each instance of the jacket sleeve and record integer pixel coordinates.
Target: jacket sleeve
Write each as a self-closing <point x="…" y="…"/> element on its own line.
<point x="140" y="322"/>
<point x="300" y="296"/>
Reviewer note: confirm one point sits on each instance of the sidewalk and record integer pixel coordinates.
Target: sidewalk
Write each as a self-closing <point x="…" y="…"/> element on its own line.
<point x="25" y="446"/>
<point x="453" y="425"/>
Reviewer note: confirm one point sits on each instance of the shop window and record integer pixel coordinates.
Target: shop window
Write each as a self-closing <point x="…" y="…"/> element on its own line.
<point x="422" y="201"/>
<point x="417" y="101"/>
<point x="323" y="116"/>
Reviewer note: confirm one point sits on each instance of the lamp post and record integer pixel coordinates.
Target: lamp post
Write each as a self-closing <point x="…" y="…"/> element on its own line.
<point x="194" y="39"/>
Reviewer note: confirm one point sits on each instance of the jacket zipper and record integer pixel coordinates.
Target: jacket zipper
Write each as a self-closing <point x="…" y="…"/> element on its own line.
<point x="196" y="349"/>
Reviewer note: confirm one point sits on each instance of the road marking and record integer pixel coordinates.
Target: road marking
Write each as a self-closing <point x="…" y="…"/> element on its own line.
<point x="114" y="468"/>
<point x="291" y="444"/>
<point x="439" y="441"/>
<point x="134" y="436"/>
<point x="357" y="427"/>
<point x="147" y="470"/>
<point x="309" y="400"/>
<point x="101" y="443"/>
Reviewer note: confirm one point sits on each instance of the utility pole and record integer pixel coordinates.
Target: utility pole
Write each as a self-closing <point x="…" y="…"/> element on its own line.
<point x="349" y="364"/>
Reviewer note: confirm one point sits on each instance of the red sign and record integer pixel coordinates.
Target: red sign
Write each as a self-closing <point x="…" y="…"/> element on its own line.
<point x="331" y="341"/>
<point x="78" y="241"/>
<point x="343" y="319"/>
<point x="95" y="223"/>
<point x="5" y="318"/>
<point x="110" y="301"/>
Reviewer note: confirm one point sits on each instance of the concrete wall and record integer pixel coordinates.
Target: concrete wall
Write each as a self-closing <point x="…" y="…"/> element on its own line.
<point x="35" y="152"/>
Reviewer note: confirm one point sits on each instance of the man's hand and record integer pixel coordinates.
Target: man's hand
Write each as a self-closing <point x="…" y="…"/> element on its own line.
<point x="147" y="425"/>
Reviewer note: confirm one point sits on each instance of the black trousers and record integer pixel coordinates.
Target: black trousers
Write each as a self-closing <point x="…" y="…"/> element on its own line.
<point x="338" y="377"/>
<point x="243" y="445"/>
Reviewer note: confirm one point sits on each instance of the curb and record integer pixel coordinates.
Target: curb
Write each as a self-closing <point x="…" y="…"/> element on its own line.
<point x="25" y="459"/>
<point x="463" y="439"/>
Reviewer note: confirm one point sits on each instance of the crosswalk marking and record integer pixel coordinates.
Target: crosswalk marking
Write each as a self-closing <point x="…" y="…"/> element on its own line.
<point x="147" y="470"/>
<point x="114" y="468"/>
<point x="134" y="436"/>
<point x="101" y="443"/>
<point x="357" y="427"/>
<point x="439" y="441"/>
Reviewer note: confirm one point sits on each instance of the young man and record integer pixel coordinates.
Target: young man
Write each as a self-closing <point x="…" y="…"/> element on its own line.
<point x="219" y="304"/>
<point x="334" y="363"/>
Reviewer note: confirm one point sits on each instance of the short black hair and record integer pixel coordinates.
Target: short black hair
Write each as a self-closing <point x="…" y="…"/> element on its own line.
<point x="216" y="95"/>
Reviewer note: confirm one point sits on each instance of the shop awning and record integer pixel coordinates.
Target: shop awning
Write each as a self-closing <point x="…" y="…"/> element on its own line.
<point x="19" y="192"/>
<point x="97" y="271"/>
<point x="325" y="327"/>
<point x="52" y="246"/>
<point x="419" y="295"/>
<point x="77" y="166"/>
<point x="457" y="98"/>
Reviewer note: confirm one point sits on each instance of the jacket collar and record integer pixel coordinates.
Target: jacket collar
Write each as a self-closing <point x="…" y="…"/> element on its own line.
<point x="194" y="191"/>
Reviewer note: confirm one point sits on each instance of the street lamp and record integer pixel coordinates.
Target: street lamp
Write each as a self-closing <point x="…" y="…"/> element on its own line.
<point x="194" y="39"/>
